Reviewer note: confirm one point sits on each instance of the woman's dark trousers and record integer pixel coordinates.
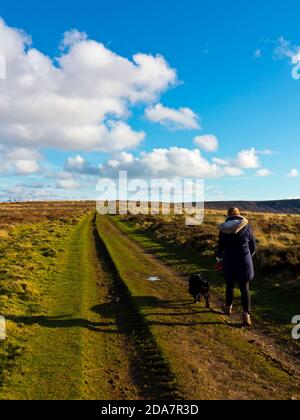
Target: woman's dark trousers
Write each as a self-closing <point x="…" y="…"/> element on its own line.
<point x="245" y="293"/>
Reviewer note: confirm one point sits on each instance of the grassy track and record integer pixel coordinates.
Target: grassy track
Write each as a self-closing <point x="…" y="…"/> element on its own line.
<point x="211" y="359"/>
<point x="273" y="309"/>
<point x="275" y="293"/>
<point x="74" y="350"/>
<point x="102" y="330"/>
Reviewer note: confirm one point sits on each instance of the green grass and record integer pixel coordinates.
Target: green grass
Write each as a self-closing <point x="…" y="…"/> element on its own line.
<point x="52" y="355"/>
<point x="70" y="348"/>
<point x="25" y="272"/>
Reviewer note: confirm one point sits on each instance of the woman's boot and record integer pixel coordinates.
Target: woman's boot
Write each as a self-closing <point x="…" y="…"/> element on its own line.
<point x="247" y="320"/>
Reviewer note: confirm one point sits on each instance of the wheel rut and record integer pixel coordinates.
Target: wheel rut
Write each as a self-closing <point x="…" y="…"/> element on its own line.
<point x="149" y="369"/>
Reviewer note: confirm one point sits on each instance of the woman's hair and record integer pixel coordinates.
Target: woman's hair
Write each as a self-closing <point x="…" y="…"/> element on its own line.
<point x="234" y="211"/>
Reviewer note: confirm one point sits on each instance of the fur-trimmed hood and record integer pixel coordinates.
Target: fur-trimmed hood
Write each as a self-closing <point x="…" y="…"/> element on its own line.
<point x="233" y="224"/>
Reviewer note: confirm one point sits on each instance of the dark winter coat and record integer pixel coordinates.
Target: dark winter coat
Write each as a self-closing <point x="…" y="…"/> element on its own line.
<point x="236" y="247"/>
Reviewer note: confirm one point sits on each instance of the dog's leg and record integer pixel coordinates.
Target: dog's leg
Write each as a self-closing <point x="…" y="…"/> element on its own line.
<point x="207" y="303"/>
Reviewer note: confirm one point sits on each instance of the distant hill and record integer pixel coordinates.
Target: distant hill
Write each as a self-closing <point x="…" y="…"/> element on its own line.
<point x="276" y="206"/>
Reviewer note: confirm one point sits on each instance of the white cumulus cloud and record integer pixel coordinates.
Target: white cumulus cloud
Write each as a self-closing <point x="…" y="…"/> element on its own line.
<point x="80" y="165"/>
<point x="76" y="163"/>
<point x="79" y="101"/>
<point x="174" y="119"/>
<point x="19" y="161"/>
<point x="168" y="163"/>
<point x="248" y="159"/>
<point x="263" y="172"/>
<point x="72" y="37"/>
<point x="209" y="143"/>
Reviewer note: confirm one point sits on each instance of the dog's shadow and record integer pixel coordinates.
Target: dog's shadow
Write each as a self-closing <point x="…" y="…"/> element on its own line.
<point x="173" y="313"/>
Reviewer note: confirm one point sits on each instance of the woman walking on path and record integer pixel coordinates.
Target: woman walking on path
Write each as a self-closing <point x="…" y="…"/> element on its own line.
<point x="236" y="249"/>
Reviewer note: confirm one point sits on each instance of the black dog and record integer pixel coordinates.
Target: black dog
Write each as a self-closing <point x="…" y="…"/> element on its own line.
<point x="198" y="287"/>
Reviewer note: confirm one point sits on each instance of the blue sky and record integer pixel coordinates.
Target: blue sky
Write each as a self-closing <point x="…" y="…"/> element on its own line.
<point x="232" y="72"/>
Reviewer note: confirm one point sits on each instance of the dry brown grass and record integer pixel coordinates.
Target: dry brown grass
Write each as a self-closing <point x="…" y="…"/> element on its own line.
<point x="30" y="212"/>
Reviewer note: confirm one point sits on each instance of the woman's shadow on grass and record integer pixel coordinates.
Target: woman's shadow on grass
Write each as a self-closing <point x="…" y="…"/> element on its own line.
<point x="64" y="321"/>
<point x="115" y="314"/>
<point x="151" y="306"/>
